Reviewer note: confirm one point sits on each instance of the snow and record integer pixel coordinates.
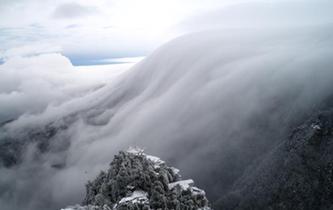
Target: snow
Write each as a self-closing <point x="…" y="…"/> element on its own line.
<point x="184" y="184"/>
<point x="315" y="126"/>
<point x="89" y="207"/>
<point x="157" y="161"/>
<point x="197" y="191"/>
<point x="205" y="208"/>
<point x="175" y="170"/>
<point x="135" y="150"/>
<point x="136" y="197"/>
<point x="138" y="151"/>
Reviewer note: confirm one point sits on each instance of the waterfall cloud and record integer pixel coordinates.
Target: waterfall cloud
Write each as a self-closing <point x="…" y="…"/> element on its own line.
<point x="30" y="83"/>
<point x="209" y="103"/>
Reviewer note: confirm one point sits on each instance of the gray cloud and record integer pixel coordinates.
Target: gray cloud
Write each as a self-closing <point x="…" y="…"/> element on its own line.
<point x="73" y="10"/>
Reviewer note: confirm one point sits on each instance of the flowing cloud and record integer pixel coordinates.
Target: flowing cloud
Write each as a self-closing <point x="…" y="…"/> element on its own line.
<point x="73" y="10"/>
<point x="32" y="79"/>
<point x="209" y="103"/>
<point x="30" y="50"/>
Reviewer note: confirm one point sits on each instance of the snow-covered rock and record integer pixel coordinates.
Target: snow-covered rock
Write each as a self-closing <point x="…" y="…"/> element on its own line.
<point x="184" y="184"/>
<point x="88" y="207"/>
<point x="137" y="196"/>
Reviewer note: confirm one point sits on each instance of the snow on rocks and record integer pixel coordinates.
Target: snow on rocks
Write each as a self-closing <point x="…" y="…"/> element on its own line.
<point x="137" y="181"/>
<point x="137" y="196"/>
<point x="88" y="207"/>
<point x="315" y="126"/>
<point x="183" y="184"/>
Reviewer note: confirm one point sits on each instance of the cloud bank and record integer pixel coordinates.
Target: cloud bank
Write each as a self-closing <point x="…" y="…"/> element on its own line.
<point x="209" y="103"/>
<point x="32" y="80"/>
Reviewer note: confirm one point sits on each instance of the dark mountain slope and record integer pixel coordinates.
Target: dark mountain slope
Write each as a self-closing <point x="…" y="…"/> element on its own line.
<point x="298" y="174"/>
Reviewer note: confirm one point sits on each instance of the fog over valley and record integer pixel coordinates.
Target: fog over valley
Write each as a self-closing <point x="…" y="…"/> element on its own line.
<point x="238" y="93"/>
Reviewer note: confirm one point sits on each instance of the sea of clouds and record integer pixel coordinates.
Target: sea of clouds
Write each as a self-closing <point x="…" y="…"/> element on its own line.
<point x="209" y="103"/>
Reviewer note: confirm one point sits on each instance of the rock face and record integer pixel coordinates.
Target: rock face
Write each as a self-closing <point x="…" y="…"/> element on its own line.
<point x="298" y="174"/>
<point x="136" y="181"/>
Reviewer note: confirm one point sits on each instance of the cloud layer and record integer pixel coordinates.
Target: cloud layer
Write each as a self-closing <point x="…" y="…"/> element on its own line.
<point x="209" y="103"/>
<point x="31" y="82"/>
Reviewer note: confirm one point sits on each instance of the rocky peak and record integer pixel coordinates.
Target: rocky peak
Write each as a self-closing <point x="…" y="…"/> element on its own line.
<point x="139" y="181"/>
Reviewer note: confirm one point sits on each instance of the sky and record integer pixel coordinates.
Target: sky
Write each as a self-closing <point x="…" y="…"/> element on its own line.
<point x="95" y="32"/>
<point x="90" y="31"/>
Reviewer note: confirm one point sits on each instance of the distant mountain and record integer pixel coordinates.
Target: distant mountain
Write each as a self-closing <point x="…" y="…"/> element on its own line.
<point x="297" y="174"/>
<point x="136" y="181"/>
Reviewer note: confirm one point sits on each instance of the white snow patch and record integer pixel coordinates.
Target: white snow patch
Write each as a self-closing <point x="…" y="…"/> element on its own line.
<point x="205" y="208"/>
<point x="89" y="207"/>
<point x="175" y="170"/>
<point x="135" y="151"/>
<point x="184" y="184"/>
<point x="316" y="126"/>
<point x="138" y="151"/>
<point x="197" y="191"/>
<point x="137" y="196"/>
<point x="155" y="160"/>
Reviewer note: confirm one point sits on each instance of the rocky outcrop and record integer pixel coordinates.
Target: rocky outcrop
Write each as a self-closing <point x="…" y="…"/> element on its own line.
<point x="136" y="181"/>
<point x="298" y="174"/>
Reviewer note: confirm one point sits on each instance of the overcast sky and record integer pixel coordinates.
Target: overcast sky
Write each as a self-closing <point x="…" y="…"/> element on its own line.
<point x="88" y="31"/>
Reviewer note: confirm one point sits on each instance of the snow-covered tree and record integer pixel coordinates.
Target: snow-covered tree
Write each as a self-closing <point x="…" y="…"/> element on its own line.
<point x="136" y="181"/>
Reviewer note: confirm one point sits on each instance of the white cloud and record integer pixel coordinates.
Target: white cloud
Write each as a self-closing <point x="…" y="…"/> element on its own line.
<point x="30" y="50"/>
<point x="73" y="10"/>
<point x="30" y="84"/>
<point x="201" y="100"/>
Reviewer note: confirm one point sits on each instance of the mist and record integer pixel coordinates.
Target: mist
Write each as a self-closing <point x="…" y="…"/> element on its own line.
<point x="209" y="103"/>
